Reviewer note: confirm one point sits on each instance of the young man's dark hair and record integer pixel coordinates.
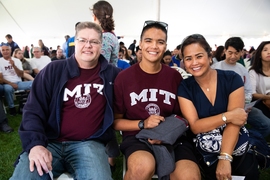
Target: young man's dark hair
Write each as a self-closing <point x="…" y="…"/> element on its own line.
<point x="235" y="42"/>
<point x="138" y="48"/>
<point x="156" y="24"/>
<point x="8" y="36"/>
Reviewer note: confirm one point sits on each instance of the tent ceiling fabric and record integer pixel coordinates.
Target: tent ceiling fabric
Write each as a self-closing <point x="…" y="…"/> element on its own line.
<point x="50" y="20"/>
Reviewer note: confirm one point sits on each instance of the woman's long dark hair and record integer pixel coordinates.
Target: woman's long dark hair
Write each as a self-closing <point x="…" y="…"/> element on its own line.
<point x="104" y="13"/>
<point x="257" y="61"/>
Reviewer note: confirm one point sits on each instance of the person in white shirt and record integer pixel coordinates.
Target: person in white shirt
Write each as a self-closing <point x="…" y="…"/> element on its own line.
<point x="39" y="61"/>
<point x="11" y="73"/>
<point x="233" y="51"/>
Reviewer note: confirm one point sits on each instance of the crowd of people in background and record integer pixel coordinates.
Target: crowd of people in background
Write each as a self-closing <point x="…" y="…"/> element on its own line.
<point x="247" y="72"/>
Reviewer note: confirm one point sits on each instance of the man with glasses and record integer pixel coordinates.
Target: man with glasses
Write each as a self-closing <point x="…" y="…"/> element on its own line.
<point x="39" y="61"/>
<point x="11" y="73"/>
<point x="233" y="52"/>
<point x="144" y="103"/>
<point x="68" y="116"/>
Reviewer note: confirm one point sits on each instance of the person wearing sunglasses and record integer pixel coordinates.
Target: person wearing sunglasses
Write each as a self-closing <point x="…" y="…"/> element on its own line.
<point x="213" y="103"/>
<point x="144" y="102"/>
<point x="68" y="114"/>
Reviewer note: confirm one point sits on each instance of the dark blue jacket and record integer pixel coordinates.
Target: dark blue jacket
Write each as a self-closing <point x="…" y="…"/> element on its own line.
<point x="42" y="111"/>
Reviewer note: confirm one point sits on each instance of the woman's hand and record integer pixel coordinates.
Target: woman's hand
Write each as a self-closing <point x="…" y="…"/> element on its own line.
<point x="237" y="116"/>
<point x="153" y="121"/>
<point x="224" y="170"/>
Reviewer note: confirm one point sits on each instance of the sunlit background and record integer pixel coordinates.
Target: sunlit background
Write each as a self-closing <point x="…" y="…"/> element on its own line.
<point x="50" y="20"/>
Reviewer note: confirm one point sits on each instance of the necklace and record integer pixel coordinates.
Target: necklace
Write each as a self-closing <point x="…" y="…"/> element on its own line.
<point x="207" y="89"/>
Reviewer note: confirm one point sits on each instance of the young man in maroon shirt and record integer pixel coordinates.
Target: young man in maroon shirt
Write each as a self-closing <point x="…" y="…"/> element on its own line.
<point x="145" y="94"/>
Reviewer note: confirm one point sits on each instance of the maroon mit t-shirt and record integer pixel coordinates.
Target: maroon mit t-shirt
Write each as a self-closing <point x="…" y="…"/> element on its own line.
<point x="139" y="94"/>
<point x="83" y="105"/>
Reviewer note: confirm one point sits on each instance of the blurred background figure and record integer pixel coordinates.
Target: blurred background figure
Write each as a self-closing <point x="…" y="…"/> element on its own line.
<point x="64" y="46"/>
<point x="27" y="69"/>
<point x="219" y="54"/>
<point x="103" y="15"/>
<point x="59" y="55"/>
<point x="26" y="52"/>
<point x="43" y="48"/>
<point x="132" y="47"/>
<point x="167" y="58"/>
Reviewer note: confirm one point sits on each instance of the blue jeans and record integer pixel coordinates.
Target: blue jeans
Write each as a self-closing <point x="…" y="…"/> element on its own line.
<point x="8" y="89"/>
<point x="82" y="159"/>
<point x="259" y="121"/>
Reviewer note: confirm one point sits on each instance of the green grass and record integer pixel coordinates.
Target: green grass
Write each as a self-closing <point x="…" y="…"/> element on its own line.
<point x="10" y="147"/>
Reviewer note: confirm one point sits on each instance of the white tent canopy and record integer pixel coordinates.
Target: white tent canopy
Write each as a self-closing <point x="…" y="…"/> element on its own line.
<point x="50" y="20"/>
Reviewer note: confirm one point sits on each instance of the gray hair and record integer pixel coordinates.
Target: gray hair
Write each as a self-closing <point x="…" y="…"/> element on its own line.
<point x="38" y="48"/>
<point x="89" y="25"/>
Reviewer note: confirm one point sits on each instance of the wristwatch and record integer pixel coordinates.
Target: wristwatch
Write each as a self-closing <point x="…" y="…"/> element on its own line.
<point x="224" y="118"/>
<point x="141" y="124"/>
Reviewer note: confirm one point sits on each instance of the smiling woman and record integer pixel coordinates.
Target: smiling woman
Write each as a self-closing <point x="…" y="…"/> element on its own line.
<point x="213" y="103"/>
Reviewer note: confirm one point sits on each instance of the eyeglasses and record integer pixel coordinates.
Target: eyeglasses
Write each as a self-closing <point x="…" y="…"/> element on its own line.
<point x="151" y="22"/>
<point x="91" y="42"/>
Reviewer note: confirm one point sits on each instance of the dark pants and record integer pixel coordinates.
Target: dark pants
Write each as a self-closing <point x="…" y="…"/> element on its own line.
<point x="241" y="166"/>
<point x="2" y="112"/>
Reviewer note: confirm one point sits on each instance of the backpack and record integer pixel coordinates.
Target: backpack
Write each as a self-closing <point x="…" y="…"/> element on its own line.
<point x="259" y="147"/>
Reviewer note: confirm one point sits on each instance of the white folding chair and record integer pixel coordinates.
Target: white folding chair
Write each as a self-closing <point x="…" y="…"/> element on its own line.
<point x="64" y="176"/>
<point x="183" y="73"/>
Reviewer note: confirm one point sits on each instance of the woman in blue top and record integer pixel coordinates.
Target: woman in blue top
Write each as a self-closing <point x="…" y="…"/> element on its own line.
<point x="213" y="103"/>
<point x="103" y="15"/>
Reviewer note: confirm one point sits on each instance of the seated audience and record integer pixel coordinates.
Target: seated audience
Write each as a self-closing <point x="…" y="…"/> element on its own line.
<point x="260" y="77"/>
<point x="27" y="69"/>
<point x="11" y="72"/>
<point x="233" y="52"/>
<point x="59" y="55"/>
<point x="138" y="57"/>
<point x="121" y="63"/>
<point x="219" y="54"/>
<point x="39" y="61"/>
<point x="52" y="54"/>
<point x="167" y="58"/>
<point x="126" y="54"/>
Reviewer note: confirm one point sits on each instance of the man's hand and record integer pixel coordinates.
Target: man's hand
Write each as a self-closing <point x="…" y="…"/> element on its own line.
<point x="14" y="85"/>
<point x="40" y="157"/>
<point x="11" y="62"/>
<point x="153" y="121"/>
